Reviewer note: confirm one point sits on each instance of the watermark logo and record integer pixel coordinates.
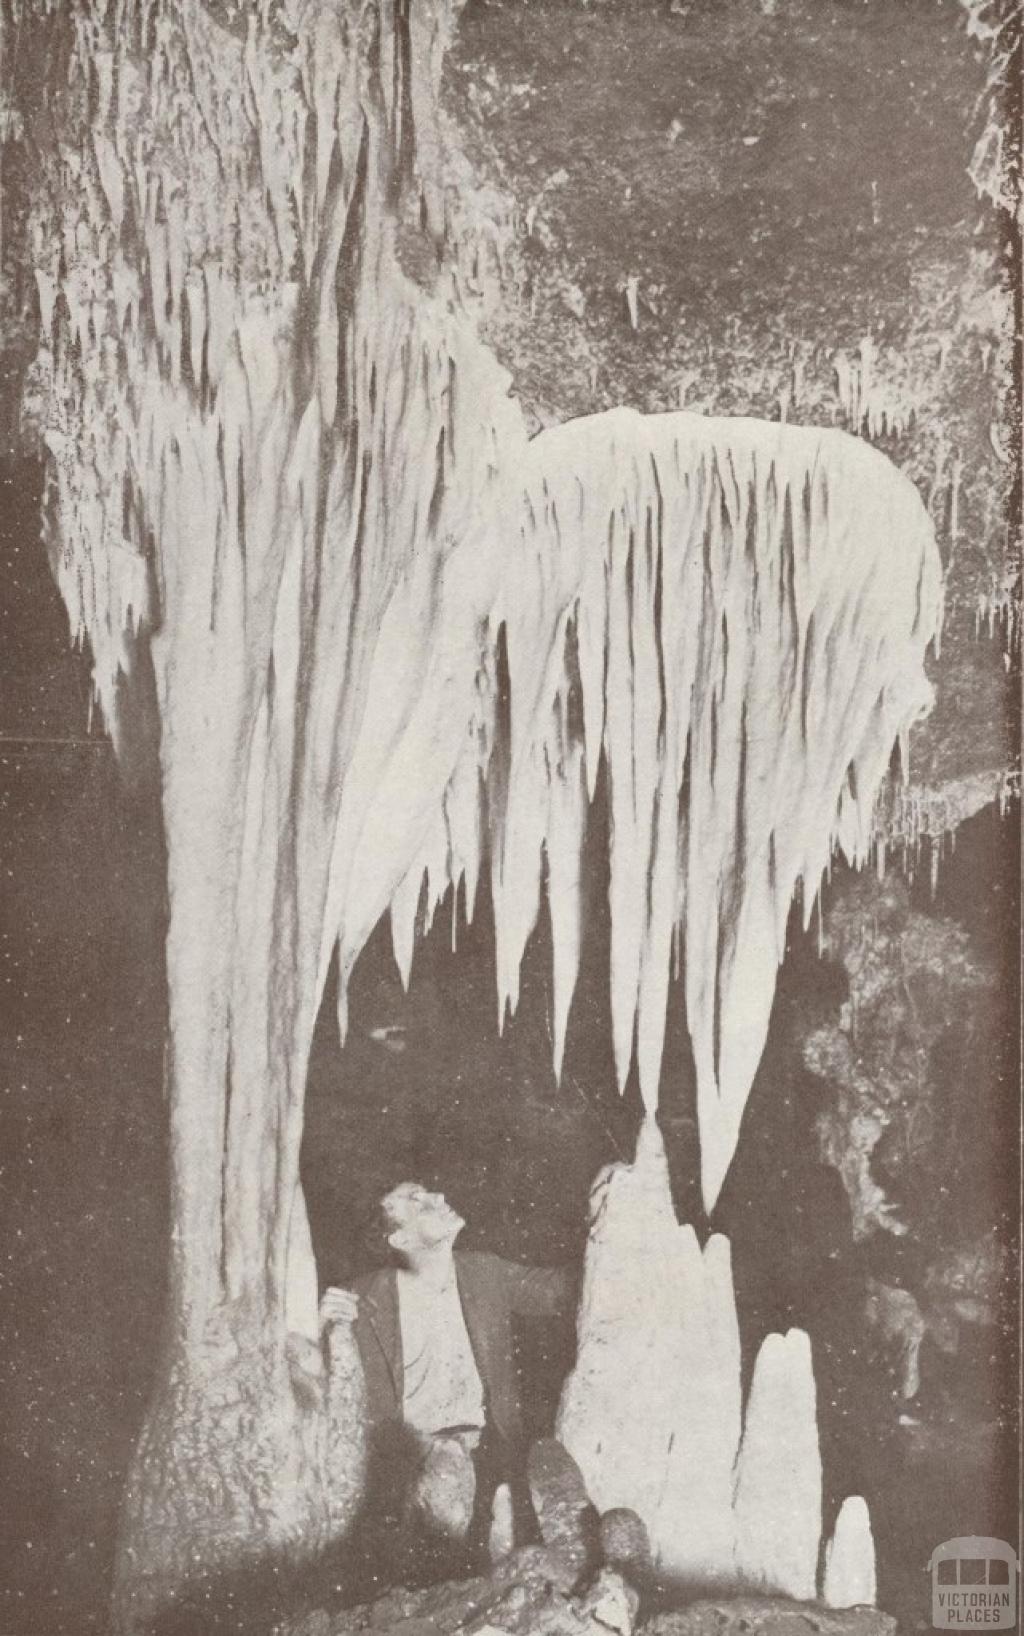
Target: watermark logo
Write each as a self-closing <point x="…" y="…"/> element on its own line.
<point x="974" y="1584"/>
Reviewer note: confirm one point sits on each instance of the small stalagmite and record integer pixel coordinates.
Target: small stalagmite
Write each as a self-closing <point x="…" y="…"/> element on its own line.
<point x="849" y="1578"/>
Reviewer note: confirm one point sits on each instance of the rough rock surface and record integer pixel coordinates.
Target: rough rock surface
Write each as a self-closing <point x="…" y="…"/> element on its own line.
<point x="918" y="1063"/>
<point x="910" y="975"/>
<point x="532" y="1593"/>
<point x="766" y="1616"/>
<point x="561" y="1504"/>
<point x="625" y="1543"/>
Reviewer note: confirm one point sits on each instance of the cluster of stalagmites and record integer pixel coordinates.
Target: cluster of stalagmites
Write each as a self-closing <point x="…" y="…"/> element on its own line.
<point x="730" y="1491"/>
<point x="589" y="1573"/>
<point x="663" y="1485"/>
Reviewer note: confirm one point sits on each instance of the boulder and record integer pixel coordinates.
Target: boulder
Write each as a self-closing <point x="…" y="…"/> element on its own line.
<point x="625" y="1543"/>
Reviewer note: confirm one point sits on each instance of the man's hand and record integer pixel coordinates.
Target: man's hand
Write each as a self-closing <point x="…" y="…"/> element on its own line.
<point x="338" y="1306"/>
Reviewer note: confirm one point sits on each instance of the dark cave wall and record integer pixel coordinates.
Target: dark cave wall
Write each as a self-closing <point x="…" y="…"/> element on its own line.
<point x="84" y="1202"/>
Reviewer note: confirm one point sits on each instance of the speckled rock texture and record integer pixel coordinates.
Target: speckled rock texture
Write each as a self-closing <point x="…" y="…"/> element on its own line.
<point x="534" y="1592"/>
<point x="764" y="1616"/>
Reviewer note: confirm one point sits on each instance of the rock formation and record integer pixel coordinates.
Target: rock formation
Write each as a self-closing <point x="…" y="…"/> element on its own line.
<point x="651" y="1412"/>
<point x="731" y="1494"/>
<point x="752" y="1616"/>
<point x="392" y="638"/>
<point x="778" y="1472"/>
<point x="563" y="1587"/>
<point x="849" y="1574"/>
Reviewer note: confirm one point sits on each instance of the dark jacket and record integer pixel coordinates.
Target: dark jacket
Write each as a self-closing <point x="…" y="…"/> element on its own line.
<point x="492" y="1292"/>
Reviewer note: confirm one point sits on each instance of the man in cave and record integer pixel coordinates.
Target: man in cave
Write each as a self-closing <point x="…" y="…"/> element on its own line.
<point x="434" y="1332"/>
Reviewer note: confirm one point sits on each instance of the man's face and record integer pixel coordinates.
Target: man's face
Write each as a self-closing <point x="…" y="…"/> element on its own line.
<point x="421" y="1219"/>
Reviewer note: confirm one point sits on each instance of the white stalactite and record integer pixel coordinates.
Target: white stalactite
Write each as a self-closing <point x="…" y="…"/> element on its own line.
<point x="726" y="575"/>
<point x="749" y="604"/>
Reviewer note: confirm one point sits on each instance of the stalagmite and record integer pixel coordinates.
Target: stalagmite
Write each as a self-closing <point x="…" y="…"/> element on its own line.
<point x="778" y="1473"/>
<point x="849" y="1573"/>
<point x="652" y="1412"/>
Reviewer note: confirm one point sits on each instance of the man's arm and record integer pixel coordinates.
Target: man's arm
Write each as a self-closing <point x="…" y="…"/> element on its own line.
<point x="540" y="1292"/>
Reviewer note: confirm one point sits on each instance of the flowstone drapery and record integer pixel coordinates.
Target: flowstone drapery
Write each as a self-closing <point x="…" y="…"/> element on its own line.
<point x="392" y="640"/>
<point x="746" y="607"/>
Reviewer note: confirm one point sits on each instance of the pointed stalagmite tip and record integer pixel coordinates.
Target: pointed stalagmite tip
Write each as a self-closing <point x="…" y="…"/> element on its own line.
<point x="650" y="1146"/>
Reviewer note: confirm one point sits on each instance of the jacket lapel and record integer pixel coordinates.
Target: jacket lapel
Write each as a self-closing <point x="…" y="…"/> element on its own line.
<point x="475" y="1298"/>
<point x="381" y="1309"/>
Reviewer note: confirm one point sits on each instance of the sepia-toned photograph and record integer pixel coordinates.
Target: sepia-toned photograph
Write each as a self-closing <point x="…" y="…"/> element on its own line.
<point x="510" y="941"/>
